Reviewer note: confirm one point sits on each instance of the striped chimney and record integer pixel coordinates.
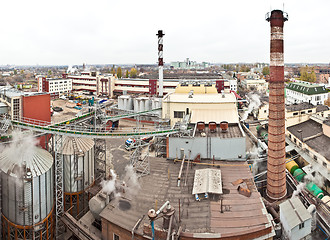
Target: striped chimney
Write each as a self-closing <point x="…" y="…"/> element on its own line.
<point x="276" y="177"/>
<point x="160" y="35"/>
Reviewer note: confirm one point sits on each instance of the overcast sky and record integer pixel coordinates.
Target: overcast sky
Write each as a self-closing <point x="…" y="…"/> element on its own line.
<point x="70" y="32"/>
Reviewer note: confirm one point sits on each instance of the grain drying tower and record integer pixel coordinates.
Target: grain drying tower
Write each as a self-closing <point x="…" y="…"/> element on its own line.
<point x="27" y="194"/>
<point x="78" y="172"/>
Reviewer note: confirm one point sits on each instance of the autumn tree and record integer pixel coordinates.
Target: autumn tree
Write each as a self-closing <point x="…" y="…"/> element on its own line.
<point x="126" y="74"/>
<point x="133" y="73"/>
<point x="307" y="74"/>
<point x="119" y="72"/>
<point x="265" y="71"/>
<point x="244" y="68"/>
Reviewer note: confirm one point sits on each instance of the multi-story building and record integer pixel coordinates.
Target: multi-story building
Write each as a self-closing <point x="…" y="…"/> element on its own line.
<point x="312" y="139"/>
<point x="298" y="92"/>
<point x="54" y="86"/>
<point x="255" y="84"/>
<point x="295" y="113"/>
<point x="202" y="102"/>
<point x="93" y="83"/>
<point x="23" y="105"/>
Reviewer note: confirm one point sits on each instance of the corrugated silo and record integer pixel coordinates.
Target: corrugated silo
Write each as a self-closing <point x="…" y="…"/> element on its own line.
<point x="136" y="105"/>
<point x="27" y="195"/>
<point x="78" y="172"/>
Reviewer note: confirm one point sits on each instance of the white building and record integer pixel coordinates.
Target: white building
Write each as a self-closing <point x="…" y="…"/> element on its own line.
<point x="93" y="82"/>
<point x="54" y="86"/>
<point x="255" y="84"/>
<point x="233" y="84"/>
<point x="297" y="92"/>
<point x="295" y="219"/>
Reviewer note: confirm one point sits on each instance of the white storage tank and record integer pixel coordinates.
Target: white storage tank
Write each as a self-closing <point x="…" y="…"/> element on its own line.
<point x="130" y="105"/>
<point x="27" y="193"/>
<point x="121" y="102"/>
<point x="136" y="105"/>
<point x="78" y="172"/>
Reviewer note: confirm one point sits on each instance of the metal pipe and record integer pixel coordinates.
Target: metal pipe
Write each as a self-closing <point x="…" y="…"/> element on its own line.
<point x="276" y="179"/>
<point x="169" y="228"/>
<point x="162" y="207"/>
<point x="180" y="172"/>
<point x="136" y="226"/>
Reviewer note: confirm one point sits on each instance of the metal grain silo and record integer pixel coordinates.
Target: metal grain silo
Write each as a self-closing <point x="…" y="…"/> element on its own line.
<point x="78" y="172"/>
<point x="27" y="194"/>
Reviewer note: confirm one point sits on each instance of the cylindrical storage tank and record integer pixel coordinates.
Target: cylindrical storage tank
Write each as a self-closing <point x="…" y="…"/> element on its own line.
<point x="291" y="166"/>
<point x="78" y="172"/>
<point x="121" y="102"/>
<point x="299" y="175"/>
<point x="326" y="200"/>
<point x="136" y="105"/>
<point x="130" y="104"/>
<point x="125" y="103"/>
<point x="200" y="126"/>
<point x="224" y="126"/>
<point x="142" y="104"/>
<point x="147" y="105"/>
<point x="27" y="194"/>
<point x="312" y="210"/>
<point x="315" y="190"/>
<point x="213" y="127"/>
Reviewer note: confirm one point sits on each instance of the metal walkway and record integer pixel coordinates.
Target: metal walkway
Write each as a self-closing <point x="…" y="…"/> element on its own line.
<point x="81" y="131"/>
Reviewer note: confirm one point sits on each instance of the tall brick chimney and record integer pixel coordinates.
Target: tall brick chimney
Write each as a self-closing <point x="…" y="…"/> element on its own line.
<point x="276" y="177"/>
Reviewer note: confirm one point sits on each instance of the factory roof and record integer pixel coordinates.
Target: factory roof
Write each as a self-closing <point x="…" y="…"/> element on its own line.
<point x="201" y="98"/>
<point x="222" y="215"/>
<point x="312" y="134"/>
<point x="306" y="88"/>
<point x="320" y="145"/>
<point x="17" y="161"/>
<point x="322" y="108"/>
<point x="299" y="107"/>
<point x="306" y="129"/>
<point x="82" y="145"/>
<point x="294" y="212"/>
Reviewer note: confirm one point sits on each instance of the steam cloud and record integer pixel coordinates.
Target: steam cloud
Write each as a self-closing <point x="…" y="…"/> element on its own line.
<point x="254" y="104"/>
<point x="130" y="184"/>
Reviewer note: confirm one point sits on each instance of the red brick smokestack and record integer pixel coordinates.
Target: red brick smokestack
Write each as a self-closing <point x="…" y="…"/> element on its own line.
<point x="276" y="179"/>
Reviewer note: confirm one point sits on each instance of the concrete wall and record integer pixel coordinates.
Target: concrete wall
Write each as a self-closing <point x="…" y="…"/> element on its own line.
<point x="297" y="233"/>
<point x="228" y="148"/>
<point x="108" y="229"/>
<point x="326" y="130"/>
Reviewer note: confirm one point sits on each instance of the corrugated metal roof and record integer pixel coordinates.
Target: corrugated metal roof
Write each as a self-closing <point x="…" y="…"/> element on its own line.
<point x="201" y="98"/>
<point x="83" y="145"/>
<point x="294" y="211"/>
<point x="38" y="161"/>
<point x="217" y="115"/>
<point x="305" y="88"/>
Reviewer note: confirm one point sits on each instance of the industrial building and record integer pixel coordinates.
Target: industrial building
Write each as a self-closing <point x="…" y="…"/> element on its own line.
<point x="202" y="102"/>
<point x="311" y="140"/>
<point x="54" y="86"/>
<point x="297" y="92"/>
<point x="26" y="104"/>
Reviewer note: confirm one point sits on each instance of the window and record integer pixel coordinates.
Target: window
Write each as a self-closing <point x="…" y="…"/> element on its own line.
<point x="295" y="114"/>
<point x="303" y="112"/>
<point x="301" y="225"/>
<point x="309" y="111"/>
<point x="178" y="114"/>
<point x="315" y="158"/>
<point x="324" y="164"/>
<point x="115" y="237"/>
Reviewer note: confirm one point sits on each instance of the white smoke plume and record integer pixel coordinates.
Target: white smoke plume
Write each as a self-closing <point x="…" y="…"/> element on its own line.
<point x="254" y="104"/>
<point x="129" y="184"/>
<point x="317" y="179"/>
<point x="109" y="186"/>
<point x="254" y="157"/>
<point x="300" y="187"/>
<point x="22" y="146"/>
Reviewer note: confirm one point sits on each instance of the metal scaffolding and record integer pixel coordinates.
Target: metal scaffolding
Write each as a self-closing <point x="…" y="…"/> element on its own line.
<point x="100" y="160"/>
<point x="139" y="159"/>
<point x="59" y="200"/>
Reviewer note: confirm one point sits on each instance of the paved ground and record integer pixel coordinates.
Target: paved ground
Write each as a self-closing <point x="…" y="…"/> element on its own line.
<point x="66" y="114"/>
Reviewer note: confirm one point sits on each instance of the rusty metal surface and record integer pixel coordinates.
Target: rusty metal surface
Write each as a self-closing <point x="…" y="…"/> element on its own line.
<point x="240" y="215"/>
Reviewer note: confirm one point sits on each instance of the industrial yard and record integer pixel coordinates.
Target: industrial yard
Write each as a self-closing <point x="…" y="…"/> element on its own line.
<point x="180" y="150"/>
